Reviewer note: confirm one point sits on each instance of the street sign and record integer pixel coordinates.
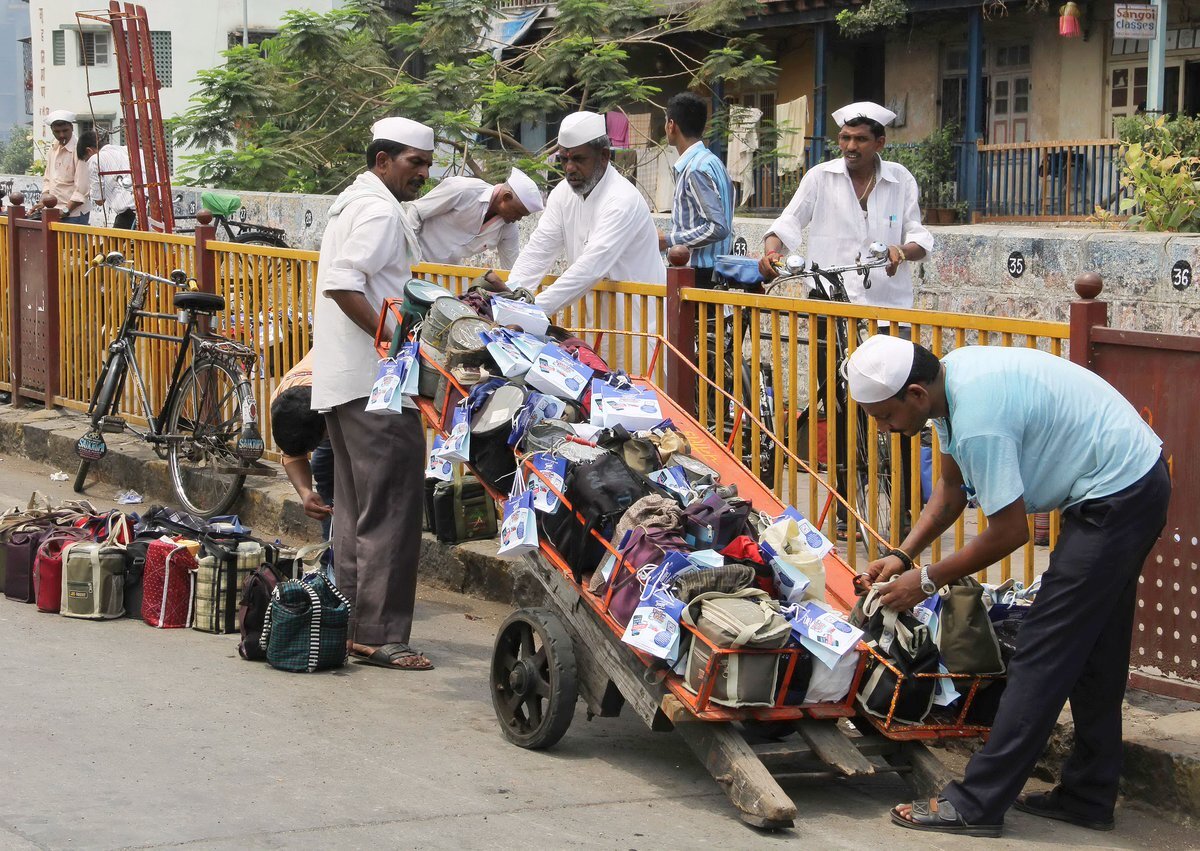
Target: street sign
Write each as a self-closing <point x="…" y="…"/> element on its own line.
<point x="1135" y="20"/>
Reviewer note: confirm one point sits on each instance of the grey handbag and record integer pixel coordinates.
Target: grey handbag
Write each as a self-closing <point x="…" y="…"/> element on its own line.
<point x="747" y="619"/>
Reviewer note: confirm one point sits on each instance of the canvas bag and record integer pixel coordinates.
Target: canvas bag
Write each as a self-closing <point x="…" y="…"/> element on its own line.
<point x="168" y="585"/>
<point x="220" y="576"/>
<point x="20" y="557"/>
<point x="48" y="568"/>
<point x="966" y="638"/>
<point x="306" y="625"/>
<point x="252" y="611"/>
<point x="745" y="619"/>
<point x="908" y="645"/>
<point x="799" y="571"/>
<point x="713" y="522"/>
<point x="646" y="545"/>
<point x="93" y="581"/>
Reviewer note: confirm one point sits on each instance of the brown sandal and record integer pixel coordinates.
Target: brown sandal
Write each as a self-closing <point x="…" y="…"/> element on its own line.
<point x="387" y="655"/>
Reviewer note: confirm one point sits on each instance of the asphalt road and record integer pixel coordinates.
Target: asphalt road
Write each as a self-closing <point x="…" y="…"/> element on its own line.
<point x="116" y="735"/>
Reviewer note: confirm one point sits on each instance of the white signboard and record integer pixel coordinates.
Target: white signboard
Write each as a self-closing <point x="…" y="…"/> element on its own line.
<point x="1135" y="20"/>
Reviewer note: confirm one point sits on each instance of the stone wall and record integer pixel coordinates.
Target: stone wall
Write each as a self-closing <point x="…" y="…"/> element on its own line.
<point x="967" y="272"/>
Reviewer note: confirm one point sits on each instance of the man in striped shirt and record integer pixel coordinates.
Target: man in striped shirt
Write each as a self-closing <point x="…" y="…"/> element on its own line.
<point x="702" y="212"/>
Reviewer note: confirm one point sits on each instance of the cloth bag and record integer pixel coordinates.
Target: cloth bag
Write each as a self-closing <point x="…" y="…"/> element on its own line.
<point x="747" y="619"/>
<point x="93" y="581"/>
<point x="306" y="625"/>
<point x="909" y="646"/>
<point x="168" y="585"/>
<point x="799" y="571"/>
<point x="966" y="638"/>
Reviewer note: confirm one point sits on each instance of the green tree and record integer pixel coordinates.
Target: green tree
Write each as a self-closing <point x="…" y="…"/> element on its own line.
<point x="292" y="113"/>
<point x="16" y="155"/>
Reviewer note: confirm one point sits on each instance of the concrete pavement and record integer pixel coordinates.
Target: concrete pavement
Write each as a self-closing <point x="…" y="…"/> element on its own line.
<point x="117" y="735"/>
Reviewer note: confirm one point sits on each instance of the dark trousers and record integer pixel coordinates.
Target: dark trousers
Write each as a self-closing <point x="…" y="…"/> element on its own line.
<point x="1074" y="643"/>
<point x="322" y="474"/>
<point x="379" y="487"/>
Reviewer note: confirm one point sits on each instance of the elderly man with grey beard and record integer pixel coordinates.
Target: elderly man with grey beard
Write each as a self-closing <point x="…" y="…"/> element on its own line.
<point x="598" y="219"/>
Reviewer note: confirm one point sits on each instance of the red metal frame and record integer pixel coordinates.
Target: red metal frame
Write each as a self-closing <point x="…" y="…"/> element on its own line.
<point x="839" y="577"/>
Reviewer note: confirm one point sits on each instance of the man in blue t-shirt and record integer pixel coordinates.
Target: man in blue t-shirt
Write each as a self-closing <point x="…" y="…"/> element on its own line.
<point x="1023" y="431"/>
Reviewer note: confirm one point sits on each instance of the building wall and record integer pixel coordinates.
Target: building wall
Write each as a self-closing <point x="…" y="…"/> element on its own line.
<point x="199" y="32"/>
<point x="14" y="24"/>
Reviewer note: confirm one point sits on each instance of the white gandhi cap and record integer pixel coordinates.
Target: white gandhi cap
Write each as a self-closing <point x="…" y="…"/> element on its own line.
<point x="879" y="368"/>
<point x="864" y="109"/>
<point x="526" y="190"/>
<point x="579" y="128"/>
<point x="60" y="115"/>
<point x="403" y="131"/>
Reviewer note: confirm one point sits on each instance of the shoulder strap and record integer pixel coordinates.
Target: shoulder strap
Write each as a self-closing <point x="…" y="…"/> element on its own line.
<point x="314" y="628"/>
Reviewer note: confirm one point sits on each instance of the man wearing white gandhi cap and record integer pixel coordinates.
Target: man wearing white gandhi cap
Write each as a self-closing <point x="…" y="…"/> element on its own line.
<point x="846" y="204"/>
<point x="65" y="178"/>
<point x="596" y="219"/>
<point x="1023" y="431"/>
<point x="366" y="256"/>
<point x="463" y="216"/>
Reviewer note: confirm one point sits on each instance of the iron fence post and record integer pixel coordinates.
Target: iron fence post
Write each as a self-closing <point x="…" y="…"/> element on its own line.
<point x="1086" y="314"/>
<point x="680" y="318"/>
<point x="206" y="261"/>
<point x="50" y="216"/>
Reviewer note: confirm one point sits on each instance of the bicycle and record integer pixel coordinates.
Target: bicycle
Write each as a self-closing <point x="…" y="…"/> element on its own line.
<point x="207" y="429"/>
<point x="827" y="285"/>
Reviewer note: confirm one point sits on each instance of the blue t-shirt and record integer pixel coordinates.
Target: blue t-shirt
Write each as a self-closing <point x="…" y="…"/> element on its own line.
<point x="1026" y="423"/>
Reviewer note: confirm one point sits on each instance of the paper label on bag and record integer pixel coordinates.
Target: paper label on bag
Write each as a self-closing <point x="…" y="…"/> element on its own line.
<point x="385" y="388"/>
<point x="457" y="446"/>
<point x="508" y="357"/>
<point x="610" y="559"/>
<point x="652" y="630"/>
<point x="557" y="373"/>
<point x="825" y="627"/>
<point x="813" y="537"/>
<point x="528" y="345"/>
<point x="518" y="532"/>
<point x="706" y="558"/>
<point x="543" y="407"/>
<point x="438" y="467"/>
<point x="408" y="367"/>
<point x="674" y="479"/>
<point x="527" y="317"/>
<point x="553" y="468"/>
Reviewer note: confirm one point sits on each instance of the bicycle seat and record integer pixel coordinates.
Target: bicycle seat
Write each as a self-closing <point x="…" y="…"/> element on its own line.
<point x="199" y="302"/>
<point x="220" y="205"/>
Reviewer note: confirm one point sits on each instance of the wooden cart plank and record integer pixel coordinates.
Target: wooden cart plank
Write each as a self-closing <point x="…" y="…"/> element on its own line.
<point x="607" y="652"/>
<point x="733" y="764"/>
<point x="929" y="775"/>
<point x="834" y="747"/>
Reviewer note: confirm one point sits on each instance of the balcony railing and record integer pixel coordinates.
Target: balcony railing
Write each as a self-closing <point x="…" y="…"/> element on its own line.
<point x="1049" y="181"/>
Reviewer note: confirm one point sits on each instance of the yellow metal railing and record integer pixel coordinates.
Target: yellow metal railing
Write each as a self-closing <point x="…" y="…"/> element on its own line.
<point x="92" y="308"/>
<point x="796" y="343"/>
<point x="270" y="295"/>
<point x="5" y="366"/>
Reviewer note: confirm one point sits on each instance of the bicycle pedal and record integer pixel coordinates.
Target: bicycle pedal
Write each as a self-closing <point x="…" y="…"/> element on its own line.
<point x="112" y="424"/>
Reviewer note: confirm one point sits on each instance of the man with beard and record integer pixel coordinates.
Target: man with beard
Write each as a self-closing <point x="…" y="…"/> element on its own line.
<point x="366" y="256"/>
<point x="598" y="219"/>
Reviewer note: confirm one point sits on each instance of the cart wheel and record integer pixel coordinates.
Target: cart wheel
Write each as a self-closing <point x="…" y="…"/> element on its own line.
<point x="533" y="678"/>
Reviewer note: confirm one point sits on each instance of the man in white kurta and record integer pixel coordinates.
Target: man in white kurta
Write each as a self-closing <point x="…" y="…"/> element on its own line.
<point x="855" y="200"/>
<point x="463" y="216"/>
<point x="366" y="256"/>
<point x="599" y="221"/>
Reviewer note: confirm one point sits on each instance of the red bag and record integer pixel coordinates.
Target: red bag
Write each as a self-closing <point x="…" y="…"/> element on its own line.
<point x="48" y="568"/>
<point x="112" y="527"/>
<point x="168" y="585"/>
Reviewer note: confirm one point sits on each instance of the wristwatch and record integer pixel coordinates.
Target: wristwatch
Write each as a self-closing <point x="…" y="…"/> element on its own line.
<point x="928" y="586"/>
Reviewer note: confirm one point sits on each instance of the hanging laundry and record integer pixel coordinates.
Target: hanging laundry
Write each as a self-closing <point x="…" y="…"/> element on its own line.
<point x="743" y="143"/>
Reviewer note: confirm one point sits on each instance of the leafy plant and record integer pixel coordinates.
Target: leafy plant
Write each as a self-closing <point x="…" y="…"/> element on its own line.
<point x="293" y="113"/>
<point x="16" y="155"/>
<point x="933" y="163"/>
<point x="876" y="15"/>
<point x="1161" y="181"/>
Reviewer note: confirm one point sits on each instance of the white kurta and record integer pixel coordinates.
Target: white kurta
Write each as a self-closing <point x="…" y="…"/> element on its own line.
<point x="840" y="232"/>
<point x="112" y="192"/>
<point x="449" y="222"/>
<point x="607" y="236"/>
<point x="366" y="249"/>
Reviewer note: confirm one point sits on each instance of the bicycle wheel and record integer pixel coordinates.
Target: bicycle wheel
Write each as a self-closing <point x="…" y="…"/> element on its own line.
<point x="103" y="401"/>
<point x="202" y="431"/>
<point x="881" y="477"/>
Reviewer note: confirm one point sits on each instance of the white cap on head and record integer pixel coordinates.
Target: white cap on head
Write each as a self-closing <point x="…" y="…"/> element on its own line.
<point x="60" y="115"/>
<point x="403" y="131"/>
<point x="579" y="128"/>
<point x="526" y="190"/>
<point x="864" y="109"/>
<point x="879" y="368"/>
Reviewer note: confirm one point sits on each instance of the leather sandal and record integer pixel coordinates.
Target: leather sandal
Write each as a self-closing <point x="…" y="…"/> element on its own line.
<point x="1048" y="805"/>
<point x="387" y="655"/>
<point x="938" y="815"/>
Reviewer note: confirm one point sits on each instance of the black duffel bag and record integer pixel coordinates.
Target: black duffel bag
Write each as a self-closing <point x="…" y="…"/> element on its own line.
<point x="909" y="646"/>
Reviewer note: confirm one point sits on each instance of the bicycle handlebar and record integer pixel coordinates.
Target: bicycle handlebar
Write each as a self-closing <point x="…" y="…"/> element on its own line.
<point x="116" y="260"/>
